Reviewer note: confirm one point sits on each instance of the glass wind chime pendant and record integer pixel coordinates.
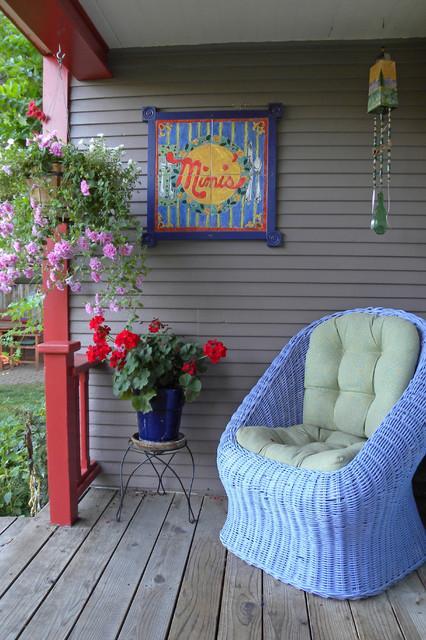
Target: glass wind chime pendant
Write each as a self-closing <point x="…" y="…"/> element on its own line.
<point x="382" y="98"/>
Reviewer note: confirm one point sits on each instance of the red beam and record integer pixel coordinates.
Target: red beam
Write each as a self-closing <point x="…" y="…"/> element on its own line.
<point x="48" y="23"/>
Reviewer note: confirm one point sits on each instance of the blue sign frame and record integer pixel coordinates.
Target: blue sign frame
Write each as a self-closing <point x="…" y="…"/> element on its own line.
<point x="212" y="175"/>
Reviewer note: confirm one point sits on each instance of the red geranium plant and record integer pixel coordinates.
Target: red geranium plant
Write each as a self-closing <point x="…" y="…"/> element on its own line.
<point x="145" y="363"/>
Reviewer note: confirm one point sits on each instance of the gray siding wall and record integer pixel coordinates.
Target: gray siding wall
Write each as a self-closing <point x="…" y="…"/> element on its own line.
<point x="253" y="297"/>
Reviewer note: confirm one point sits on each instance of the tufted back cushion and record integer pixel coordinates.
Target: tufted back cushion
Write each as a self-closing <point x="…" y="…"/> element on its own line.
<point x="357" y="367"/>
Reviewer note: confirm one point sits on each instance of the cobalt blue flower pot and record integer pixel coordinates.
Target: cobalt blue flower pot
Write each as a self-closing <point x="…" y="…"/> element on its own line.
<point x="163" y="422"/>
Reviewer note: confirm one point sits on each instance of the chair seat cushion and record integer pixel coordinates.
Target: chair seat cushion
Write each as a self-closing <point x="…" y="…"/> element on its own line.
<point x="302" y="445"/>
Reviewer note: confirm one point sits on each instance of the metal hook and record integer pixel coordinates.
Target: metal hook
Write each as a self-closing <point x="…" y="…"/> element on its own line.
<point x="60" y="55"/>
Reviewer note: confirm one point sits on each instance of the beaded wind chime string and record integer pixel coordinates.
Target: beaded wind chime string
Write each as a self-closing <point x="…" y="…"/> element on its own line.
<point x="382" y="98"/>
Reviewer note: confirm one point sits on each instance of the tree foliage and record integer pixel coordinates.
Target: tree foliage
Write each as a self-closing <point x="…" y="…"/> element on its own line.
<point x="20" y="81"/>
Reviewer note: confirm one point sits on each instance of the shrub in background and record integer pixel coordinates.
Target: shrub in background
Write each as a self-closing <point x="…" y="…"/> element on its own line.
<point x="23" y="476"/>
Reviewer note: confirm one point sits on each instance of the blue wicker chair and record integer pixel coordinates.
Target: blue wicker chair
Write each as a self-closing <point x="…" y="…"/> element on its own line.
<point x="350" y="533"/>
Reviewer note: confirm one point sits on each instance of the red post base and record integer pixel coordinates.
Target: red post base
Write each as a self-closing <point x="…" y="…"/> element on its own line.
<point x="62" y="429"/>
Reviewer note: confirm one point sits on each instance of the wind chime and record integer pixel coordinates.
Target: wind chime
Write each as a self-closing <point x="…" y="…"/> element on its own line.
<point x="382" y="98"/>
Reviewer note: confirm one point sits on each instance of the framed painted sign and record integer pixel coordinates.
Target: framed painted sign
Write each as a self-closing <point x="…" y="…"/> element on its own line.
<point x="212" y="175"/>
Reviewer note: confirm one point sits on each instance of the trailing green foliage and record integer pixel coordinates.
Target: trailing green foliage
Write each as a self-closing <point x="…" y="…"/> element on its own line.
<point x="23" y="477"/>
<point x="20" y="82"/>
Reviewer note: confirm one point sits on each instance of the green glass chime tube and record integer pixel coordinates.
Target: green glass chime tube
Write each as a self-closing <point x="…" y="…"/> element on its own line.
<point x="379" y="222"/>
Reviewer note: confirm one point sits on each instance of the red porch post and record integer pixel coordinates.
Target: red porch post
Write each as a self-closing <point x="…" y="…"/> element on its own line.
<point x="61" y="410"/>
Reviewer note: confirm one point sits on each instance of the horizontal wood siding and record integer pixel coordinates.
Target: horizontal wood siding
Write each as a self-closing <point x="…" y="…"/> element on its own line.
<point x="253" y="297"/>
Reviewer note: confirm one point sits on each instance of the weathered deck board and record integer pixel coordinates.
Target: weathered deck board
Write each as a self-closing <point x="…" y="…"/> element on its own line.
<point x="285" y="612"/>
<point x="408" y="599"/>
<point x="241" y="612"/>
<point x="152" y="607"/>
<point x="16" y="555"/>
<point x="331" y="619"/>
<point x="59" y="611"/>
<point x="155" y="576"/>
<point x="422" y="574"/>
<point x="15" y="527"/>
<point x="31" y="587"/>
<point x="5" y="522"/>
<point x="198" y="605"/>
<point x="374" y="619"/>
<point x="118" y="584"/>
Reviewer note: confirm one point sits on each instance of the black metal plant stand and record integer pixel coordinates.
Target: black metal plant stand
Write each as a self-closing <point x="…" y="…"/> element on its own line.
<point x="154" y="452"/>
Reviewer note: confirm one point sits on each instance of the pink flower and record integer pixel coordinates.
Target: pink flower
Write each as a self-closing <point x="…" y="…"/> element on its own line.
<point x="6" y="228"/>
<point x="29" y="273"/>
<point x="56" y="149"/>
<point x="113" y="306"/>
<point x="95" y="276"/>
<point x="104" y="236"/>
<point x="31" y="248"/>
<point x="120" y="291"/>
<point x="95" y="264"/>
<point x="89" y="309"/>
<point x="84" y="188"/>
<point x="92" y="235"/>
<point x="82" y="243"/>
<point x="110" y="251"/>
<point x="126" y="249"/>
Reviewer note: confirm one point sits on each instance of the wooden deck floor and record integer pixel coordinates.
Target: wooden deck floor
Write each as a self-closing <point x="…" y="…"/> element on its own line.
<point x="154" y="576"/>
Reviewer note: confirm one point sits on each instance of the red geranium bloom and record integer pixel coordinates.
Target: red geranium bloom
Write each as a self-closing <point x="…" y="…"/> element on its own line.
<point x="155" y="326"/>
<point x="101" y="333"/>
<point x="96" y="322"/>
<point x="92" y="353"/>
<point x="33" y="111"/>
<point x="190" y="367"/>
<point x="117" y="359"/>
<point x="127" y="339"/>
<point x="97" y="352"/>
<point x="214" y="350"/>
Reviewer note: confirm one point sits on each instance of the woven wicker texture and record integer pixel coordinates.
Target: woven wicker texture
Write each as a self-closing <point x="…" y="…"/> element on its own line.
<point x="346" y="534"/>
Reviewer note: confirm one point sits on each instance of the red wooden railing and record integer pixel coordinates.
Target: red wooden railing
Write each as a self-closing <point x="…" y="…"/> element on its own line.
<point x="70" y="470"/>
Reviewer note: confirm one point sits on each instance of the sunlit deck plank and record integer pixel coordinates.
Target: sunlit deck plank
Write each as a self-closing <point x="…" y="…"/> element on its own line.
<point x="107" y="607"/>
<point x="62" y="606"/>
<point x="34" y="583"/>
<point x="408" y="599"/>
<point x="241" y="611"/>
<point x="285" y="612"/>
<point x="5" y="522"/>
<point x="15" y="556"/>
<point x="331" y="619"/>
<point x="198" y="605"/>
<point x="375" y="619"/>
<point x="152" y="607"/>
<point x="9" y="533"/>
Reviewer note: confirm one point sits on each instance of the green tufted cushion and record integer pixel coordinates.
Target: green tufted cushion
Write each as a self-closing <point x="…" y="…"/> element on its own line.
<point x="357" y="367"/>
<point x="302" y="446"/>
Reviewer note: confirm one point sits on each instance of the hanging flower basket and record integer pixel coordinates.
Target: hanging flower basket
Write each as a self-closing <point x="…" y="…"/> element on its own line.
<point x="88" y="186"/>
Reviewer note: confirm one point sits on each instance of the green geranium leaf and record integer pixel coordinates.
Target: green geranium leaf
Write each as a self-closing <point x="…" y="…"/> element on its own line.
<point x="142" y="402"/>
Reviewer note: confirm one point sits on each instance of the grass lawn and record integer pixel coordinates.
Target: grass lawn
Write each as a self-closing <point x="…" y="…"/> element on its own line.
<point x="15" y="396"/>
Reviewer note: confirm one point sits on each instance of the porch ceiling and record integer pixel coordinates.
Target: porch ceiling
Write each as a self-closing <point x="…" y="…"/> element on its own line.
<point x="137" y="23"/>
